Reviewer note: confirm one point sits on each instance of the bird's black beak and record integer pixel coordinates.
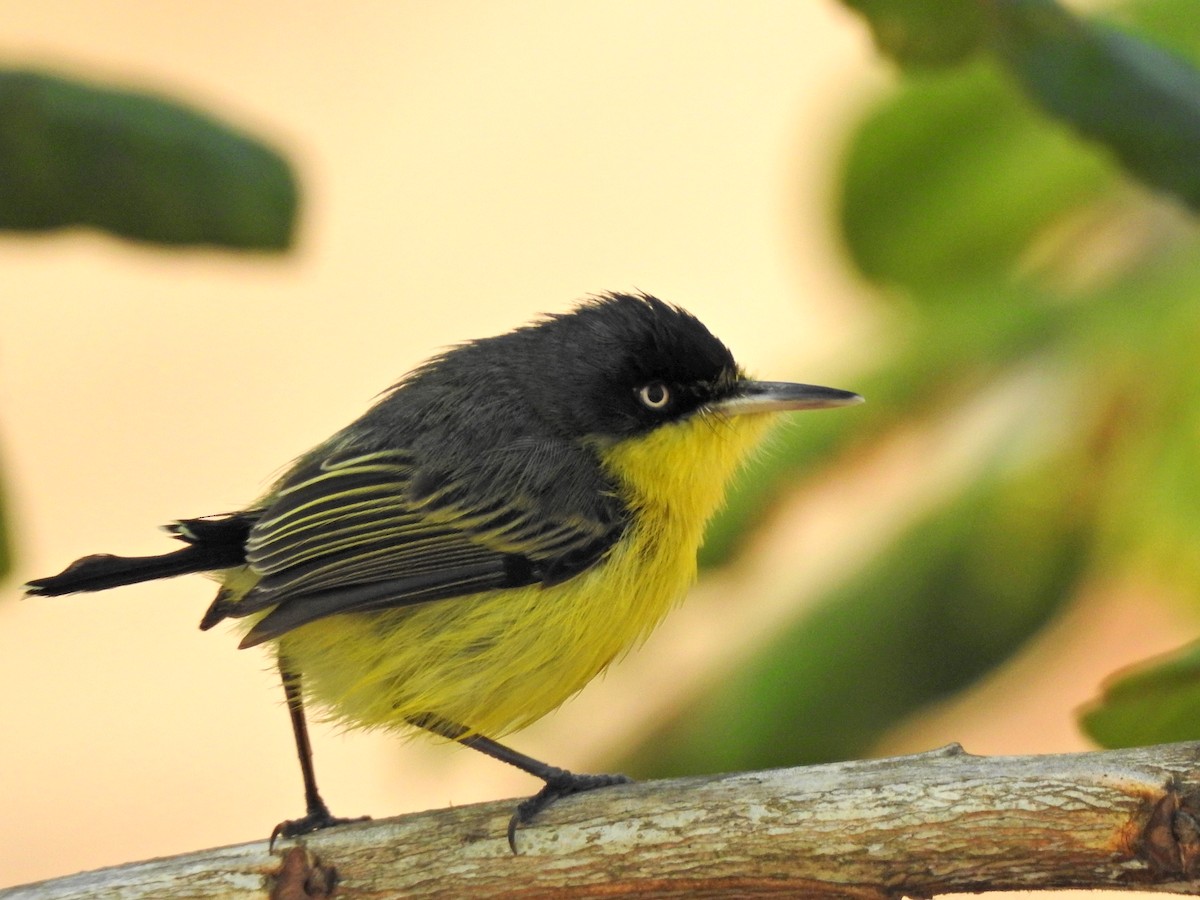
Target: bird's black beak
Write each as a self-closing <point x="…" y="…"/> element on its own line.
<point x="779" y="396"/>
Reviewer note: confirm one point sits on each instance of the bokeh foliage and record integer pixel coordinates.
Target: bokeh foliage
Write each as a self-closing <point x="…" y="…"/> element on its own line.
<point x="1022" y="201"/>
<point x="137" y="165"/>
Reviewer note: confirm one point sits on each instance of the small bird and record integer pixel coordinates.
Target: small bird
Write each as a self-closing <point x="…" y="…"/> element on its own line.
<point x="506" y="521"/>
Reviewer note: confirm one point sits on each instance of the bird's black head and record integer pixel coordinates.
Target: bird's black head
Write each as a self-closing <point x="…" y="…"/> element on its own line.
<point x="623" y="364"/>
<point x="617" y="366"/>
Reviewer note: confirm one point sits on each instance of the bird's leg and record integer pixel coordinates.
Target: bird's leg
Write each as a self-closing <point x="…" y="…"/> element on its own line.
<point x="559" y="782"/>
<point x="317" y="815"/>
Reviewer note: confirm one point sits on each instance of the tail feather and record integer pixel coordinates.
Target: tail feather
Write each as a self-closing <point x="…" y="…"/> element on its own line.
<point x="214" y="543"/>
<point x="103" y="571"/>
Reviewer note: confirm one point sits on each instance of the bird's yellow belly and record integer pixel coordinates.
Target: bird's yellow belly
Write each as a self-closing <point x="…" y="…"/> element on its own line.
<point x="497" y="661"/>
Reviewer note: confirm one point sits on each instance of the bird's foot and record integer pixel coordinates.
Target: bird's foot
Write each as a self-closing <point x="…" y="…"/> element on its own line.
<point x="559" y="783"/>
<point x="317" y="820"/>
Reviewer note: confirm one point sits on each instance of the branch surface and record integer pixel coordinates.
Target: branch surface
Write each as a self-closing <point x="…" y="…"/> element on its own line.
<point x="907" y="826"/>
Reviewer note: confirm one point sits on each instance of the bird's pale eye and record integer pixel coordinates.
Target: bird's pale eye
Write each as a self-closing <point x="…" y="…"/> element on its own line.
<point x="654" y="395"/>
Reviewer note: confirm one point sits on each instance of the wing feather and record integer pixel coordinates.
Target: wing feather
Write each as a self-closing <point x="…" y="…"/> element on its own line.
<point x="369" y="531"/>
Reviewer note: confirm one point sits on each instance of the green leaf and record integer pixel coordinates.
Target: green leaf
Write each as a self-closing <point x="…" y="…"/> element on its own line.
<point x="137" y="165"/>
<point x="1156" y="702"/>
<point x="5" y="538"/>
<point x="951" y="598"/>
<point x="1172" y="23"/>
<point x="1136" y="354"/>
<point x="954" y="177"/>
<point x="923" y="33"/>
<point x="1136" y="98"/>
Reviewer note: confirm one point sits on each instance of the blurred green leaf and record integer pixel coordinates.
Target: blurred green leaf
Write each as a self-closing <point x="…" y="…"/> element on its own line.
<point x="923" y="33"/>
<point x="954" y="596"/>
<point x="1172" y="23"/>
<point x="1155" y="702"/>
<point x="953" y="177"/>
<point x="1133" y="96"/>
<point x="5" y="537"/>
<point x="1136" y="352"/>
<point x="137" y="165"/>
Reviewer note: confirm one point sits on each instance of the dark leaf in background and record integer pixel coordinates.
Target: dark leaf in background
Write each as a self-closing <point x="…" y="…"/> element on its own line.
<point x="953" y="177"/>
<point x="5" y="541"/>
<point x="1155" y="702"/>
<point x="137" y="165"/>
<point x="1133" y="96"/>
<point x="923" y="33"/>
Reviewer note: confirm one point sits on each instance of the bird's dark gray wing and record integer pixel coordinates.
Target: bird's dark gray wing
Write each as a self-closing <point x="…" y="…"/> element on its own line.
<point x="371" y="531"/>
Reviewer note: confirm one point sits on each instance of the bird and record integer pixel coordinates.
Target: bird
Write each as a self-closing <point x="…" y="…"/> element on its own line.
<point x="503" y="524"/>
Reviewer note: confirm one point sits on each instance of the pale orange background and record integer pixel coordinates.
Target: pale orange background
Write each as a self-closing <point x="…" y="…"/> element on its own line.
<point x="466" y="165"/>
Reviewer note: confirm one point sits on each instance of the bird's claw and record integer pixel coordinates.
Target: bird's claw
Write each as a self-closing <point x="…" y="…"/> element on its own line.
<point x="561" y="784"/>
<point x="316" y="820"/>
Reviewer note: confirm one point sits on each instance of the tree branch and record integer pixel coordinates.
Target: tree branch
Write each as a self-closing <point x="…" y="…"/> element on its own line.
<point x="915" y="825"/>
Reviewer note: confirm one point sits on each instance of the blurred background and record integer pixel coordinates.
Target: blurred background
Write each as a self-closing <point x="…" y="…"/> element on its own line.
<point x="899" y="206"/>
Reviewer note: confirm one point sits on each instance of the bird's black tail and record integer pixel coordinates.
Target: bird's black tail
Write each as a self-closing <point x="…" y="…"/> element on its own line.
<point x="213" y="543"/>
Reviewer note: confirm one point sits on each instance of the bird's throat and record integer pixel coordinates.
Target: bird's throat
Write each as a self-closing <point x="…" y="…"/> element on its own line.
<point x="677" y="475"/>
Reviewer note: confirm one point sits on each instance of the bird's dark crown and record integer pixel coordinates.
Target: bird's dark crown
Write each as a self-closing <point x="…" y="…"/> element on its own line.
<point x="615" y="366"/>
<point x="623" y="364"/>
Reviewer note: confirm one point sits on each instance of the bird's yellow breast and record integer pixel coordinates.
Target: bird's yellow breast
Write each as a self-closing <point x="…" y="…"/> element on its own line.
<point x="497" y="661"/>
